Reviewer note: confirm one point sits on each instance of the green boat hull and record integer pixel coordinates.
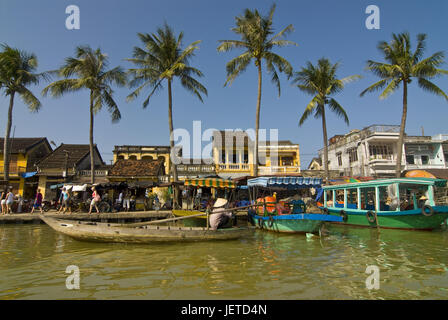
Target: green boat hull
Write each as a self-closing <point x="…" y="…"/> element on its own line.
<point x="288" y="226"/>
<point x="407" y="220"/>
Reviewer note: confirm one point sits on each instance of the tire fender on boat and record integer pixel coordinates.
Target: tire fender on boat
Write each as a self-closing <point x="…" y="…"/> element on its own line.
<point x="270" y="221"/>
<point x="260" y="223"/>
<point x="344" y="215"/>
<point x="370" y="216"/>
<point x="325" y="210"/>
<point x="425" y="213"/>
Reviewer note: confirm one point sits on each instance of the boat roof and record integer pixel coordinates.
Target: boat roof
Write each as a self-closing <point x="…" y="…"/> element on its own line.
<point x="210" y="183"/>
<point x="386" y="182"/>
<point x="285" y="182"/>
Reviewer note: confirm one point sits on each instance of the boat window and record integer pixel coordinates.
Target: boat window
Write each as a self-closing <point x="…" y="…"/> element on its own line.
<point x="388" y="198"/>
<point x="368" y="199"/>
<point x="352" y="199"/>
<point x="425" y="159"/>
<point x="441" y="196"/>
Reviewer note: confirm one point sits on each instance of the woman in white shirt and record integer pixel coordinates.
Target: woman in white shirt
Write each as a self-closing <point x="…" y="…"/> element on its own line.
<point x="9" y="201"/>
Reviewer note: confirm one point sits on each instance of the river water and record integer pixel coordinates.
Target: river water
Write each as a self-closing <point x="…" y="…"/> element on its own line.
<point x="412" y="265"/>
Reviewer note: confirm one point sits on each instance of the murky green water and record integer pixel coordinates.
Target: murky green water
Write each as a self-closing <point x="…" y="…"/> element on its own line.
<point x="413" y="265"/>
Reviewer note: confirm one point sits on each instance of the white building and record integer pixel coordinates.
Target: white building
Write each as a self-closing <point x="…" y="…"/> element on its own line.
<point x="372" y="151"/>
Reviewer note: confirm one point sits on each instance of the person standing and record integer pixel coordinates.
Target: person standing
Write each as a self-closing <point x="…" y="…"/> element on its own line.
<point x="95" y="200"/>
<point x="127" y="200"/>
<point x="3" y="202"/>
<point x="61" y="199"/>
<point x="37" y="202"/>
<point x="9" y="201"/>
<point x="20" y="203"/>
<point x="66" y="202"/>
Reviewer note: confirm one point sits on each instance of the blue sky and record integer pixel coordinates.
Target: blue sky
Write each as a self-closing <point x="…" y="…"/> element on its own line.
<point x="323" y="28"/>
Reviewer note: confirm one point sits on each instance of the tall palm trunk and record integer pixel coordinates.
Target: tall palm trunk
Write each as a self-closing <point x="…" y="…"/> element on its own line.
<point x="6" y="144"/>
<point x="324" y="129"/>
<point x="402" y="129"/>
<point x="92" y="156"/>
<point x="257" y="120"/>
<point x="170" y="120"/>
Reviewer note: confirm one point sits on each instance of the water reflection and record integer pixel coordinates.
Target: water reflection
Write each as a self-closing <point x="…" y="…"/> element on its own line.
<point x="265" y="265"/>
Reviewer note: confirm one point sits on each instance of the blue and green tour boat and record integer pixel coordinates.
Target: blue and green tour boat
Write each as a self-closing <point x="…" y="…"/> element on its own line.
<point x="284" y="216"/>
<point x="402" y="203"/>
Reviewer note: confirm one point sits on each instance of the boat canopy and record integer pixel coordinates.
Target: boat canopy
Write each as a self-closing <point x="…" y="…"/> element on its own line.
<point x="285" y="182"/>
<point x="210" y="183"/>
<point x="387" y="182"/>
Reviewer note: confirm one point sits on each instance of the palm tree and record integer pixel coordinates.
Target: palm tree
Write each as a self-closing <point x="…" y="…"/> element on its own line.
<point x="161" y="60"/>
<point x="89" y="71"/>
<point x="400" y="67"/>
<point x="16" y="74"/>
<point x="255" y="31"/>
<point x="321" y="82"/>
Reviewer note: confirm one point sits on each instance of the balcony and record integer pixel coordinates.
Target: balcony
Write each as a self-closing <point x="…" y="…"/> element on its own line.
<point x="234" y="167"/>
<point x="195" y="168"/>
<point x="424" y="166"/>
<point x="98" y="173"/>
<point x="14" y="170"/>
<point x="278" y="169"/>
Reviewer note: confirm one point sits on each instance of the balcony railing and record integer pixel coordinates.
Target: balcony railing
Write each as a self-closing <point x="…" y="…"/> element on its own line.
<point x="278" y="169"/>
<point x="98" y="173"/>
<point x="234" y="167"/>
<point x="195" y="168"/>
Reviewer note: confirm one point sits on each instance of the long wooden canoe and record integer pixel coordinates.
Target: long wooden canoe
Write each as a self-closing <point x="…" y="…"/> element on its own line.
<point x="109" y="232"/>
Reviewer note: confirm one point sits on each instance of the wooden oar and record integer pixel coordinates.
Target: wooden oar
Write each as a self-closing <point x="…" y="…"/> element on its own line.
<point x="139" y="224"/>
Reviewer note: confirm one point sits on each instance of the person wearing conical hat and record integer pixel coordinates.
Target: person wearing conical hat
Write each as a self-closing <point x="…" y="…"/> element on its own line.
<point x="219" y="216"/>
<point x="423" y="201"/>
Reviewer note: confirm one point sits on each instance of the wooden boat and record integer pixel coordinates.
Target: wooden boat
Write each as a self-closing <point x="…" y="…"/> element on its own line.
<point x="388" y="203"/>
<point x="193" y="222"/>
<point x="108" y="232"/>
<point x="274" y="216"/>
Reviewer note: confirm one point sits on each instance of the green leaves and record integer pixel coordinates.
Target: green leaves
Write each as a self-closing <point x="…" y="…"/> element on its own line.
<point x="88" y="70"/>
<point x="255" y="32"/>
<point x="17" y="69"/>
<point x="162" y="58"/>
<point x="321" y="81"/>
<point x="403" y="65"/>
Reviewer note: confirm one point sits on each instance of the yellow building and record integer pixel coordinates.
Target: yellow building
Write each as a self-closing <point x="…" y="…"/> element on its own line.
<point x="233" y="155"/>
<point x="161" y="153"/>
<point x="24" y="154"/>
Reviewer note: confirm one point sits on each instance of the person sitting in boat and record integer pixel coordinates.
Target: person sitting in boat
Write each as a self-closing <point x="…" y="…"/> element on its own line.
<point x="219" y="216"/>
<point x="423" y="201"/>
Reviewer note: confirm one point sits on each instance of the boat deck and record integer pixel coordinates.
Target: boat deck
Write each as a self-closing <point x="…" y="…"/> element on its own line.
<point x="119" y="217"/>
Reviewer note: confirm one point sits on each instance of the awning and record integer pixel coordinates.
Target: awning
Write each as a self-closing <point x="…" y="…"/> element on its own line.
<point x="419" y="174"/>
<point x="140" y="184"/>
<point x="210" y="183"/>
<point x="285" y="182"/>
<point x="55" y="186"/>
<point x="28" y="174"/>
<point x="80" y="187"/>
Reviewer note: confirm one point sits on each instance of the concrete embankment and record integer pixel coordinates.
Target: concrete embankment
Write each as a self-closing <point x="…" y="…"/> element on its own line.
<point x="120" y="217"/>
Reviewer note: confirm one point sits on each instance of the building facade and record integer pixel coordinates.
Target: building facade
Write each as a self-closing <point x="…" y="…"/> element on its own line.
<point x="24" y="154"/>
<point x="68" y="163"/>
<point x="233" y="155"/>
<point x="372" y="152"/>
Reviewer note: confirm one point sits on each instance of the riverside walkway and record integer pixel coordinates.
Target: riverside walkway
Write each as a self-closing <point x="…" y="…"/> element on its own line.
<point x="119" y="217"/>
